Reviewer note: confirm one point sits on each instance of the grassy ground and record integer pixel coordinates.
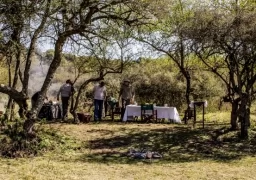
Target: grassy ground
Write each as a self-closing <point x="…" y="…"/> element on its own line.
<point x="99" y="151"/>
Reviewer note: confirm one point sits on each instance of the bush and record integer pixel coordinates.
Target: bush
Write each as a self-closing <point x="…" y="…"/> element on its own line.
<point x="14" y="143"/>
<point x="161" y="89"/>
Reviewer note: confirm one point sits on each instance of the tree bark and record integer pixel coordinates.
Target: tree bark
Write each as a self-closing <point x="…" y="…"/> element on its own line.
<point x="8" y="109"/>
<point x="12" y="111"/>
<point x="18" y="97"/>
<point x="234" y="114"/>
<point x="32" y="48"/>
<point x="244" y="116"/>
<point x="245" y="121"/>
<point x="188" y="90"/>
<point x="10" y="101"/>
<point x="188" y="87"/>
<point x="15" y="80"/>
<point x="14" y="47"/>
<point x="74" y="105"/>
<point x="73" y="111"/>
<point x="23" y="108"/>
<point x="32" y="116"/>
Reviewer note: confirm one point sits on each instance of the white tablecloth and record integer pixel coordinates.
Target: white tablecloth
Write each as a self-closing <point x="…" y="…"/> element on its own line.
<point x="170" y="113"/>
<point x="191" y="105"/>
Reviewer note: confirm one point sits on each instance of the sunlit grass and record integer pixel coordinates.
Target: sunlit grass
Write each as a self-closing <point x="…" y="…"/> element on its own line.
<point x="45" y="168"/>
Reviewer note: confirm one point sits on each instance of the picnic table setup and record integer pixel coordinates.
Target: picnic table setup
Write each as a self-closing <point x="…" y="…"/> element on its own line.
<point x="126" y="107"/>
<point x="160" y="112"/>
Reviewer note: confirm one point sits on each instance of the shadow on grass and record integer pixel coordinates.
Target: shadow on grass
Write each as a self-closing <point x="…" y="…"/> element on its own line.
<point x="177" y="144"/>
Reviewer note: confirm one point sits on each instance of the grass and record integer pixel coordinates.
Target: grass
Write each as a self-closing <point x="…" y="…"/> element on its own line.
<point x="98" y="151"/>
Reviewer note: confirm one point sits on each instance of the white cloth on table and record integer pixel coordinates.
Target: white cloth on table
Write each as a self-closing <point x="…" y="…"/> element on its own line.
<point x="170" y="113"/>
<point x="191" y="105"/>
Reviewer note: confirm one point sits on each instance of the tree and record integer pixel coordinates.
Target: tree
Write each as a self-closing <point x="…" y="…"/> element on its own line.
<point x="25" y="22"/>
<point x="104" y="56"/>
<point x="167" y="38"/>
<point x="85" y="19"/>
<point x="225" y="40"/>
<point x="17" y="34"/>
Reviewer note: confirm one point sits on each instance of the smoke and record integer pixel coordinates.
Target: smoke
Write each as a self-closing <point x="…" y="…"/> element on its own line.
<point x="38" y="73"/>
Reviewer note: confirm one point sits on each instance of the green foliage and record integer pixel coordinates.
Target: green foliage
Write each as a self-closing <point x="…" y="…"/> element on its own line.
<point x="206" y="86"/>
<point x="49" y="55"/>
<point x="14" y="142"/>
<point x="53" y="140"/>
<point x="159" y="81"/>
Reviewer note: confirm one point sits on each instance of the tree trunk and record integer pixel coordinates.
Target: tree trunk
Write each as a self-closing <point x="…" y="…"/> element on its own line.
<point x="74" y="104"/>
<point x="12" y="111"/>
<point x="8" y="109"/>
<point x="188" y="90"/>
<point x="15" y="79"/>
<point x="32" y="48"/>
<point x="75" y="117"/>
<point x="23" y="108"/>
<point x="234" y="114"/>
<point x="245" y="123"/>
<point x="18" y="97"/>
<point x="244" y="117"/>
<point x="29" y="123"/>
<point x="28" y="127"/>
<point x="10" y="101"/>
<point x="73" y="110"/>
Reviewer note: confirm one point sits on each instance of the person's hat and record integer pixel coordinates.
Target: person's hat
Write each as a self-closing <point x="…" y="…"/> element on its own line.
<point x="102" y="83"/>
<point x="126" y="80"/>
<point x="68" y="81"/>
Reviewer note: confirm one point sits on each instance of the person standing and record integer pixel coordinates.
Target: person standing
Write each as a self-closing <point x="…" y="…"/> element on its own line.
<point x="127" y="94"/>
<point x="66" y="90"/>
<point x="99" y="92"/>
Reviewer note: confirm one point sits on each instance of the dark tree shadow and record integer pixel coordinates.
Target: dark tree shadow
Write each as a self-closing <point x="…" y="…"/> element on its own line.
<point x="176" y="143"/>
<point x="179" y="144"/>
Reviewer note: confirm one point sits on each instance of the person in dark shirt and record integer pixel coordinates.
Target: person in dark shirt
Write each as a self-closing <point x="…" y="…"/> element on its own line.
<point x="66" y="91"/>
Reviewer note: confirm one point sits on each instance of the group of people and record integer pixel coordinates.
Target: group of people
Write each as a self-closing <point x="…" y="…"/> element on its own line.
<point x="126" y="96"/>
<point x="66" y="91"/>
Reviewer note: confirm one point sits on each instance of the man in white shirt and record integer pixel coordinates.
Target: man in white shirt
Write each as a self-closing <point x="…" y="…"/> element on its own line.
<point x="99" y="92"/>
<point x="66" y="90"/>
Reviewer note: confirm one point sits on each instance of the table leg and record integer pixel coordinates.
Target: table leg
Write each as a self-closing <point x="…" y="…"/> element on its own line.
<point x="194" y="116"/>
<point x="203" y="115"/>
